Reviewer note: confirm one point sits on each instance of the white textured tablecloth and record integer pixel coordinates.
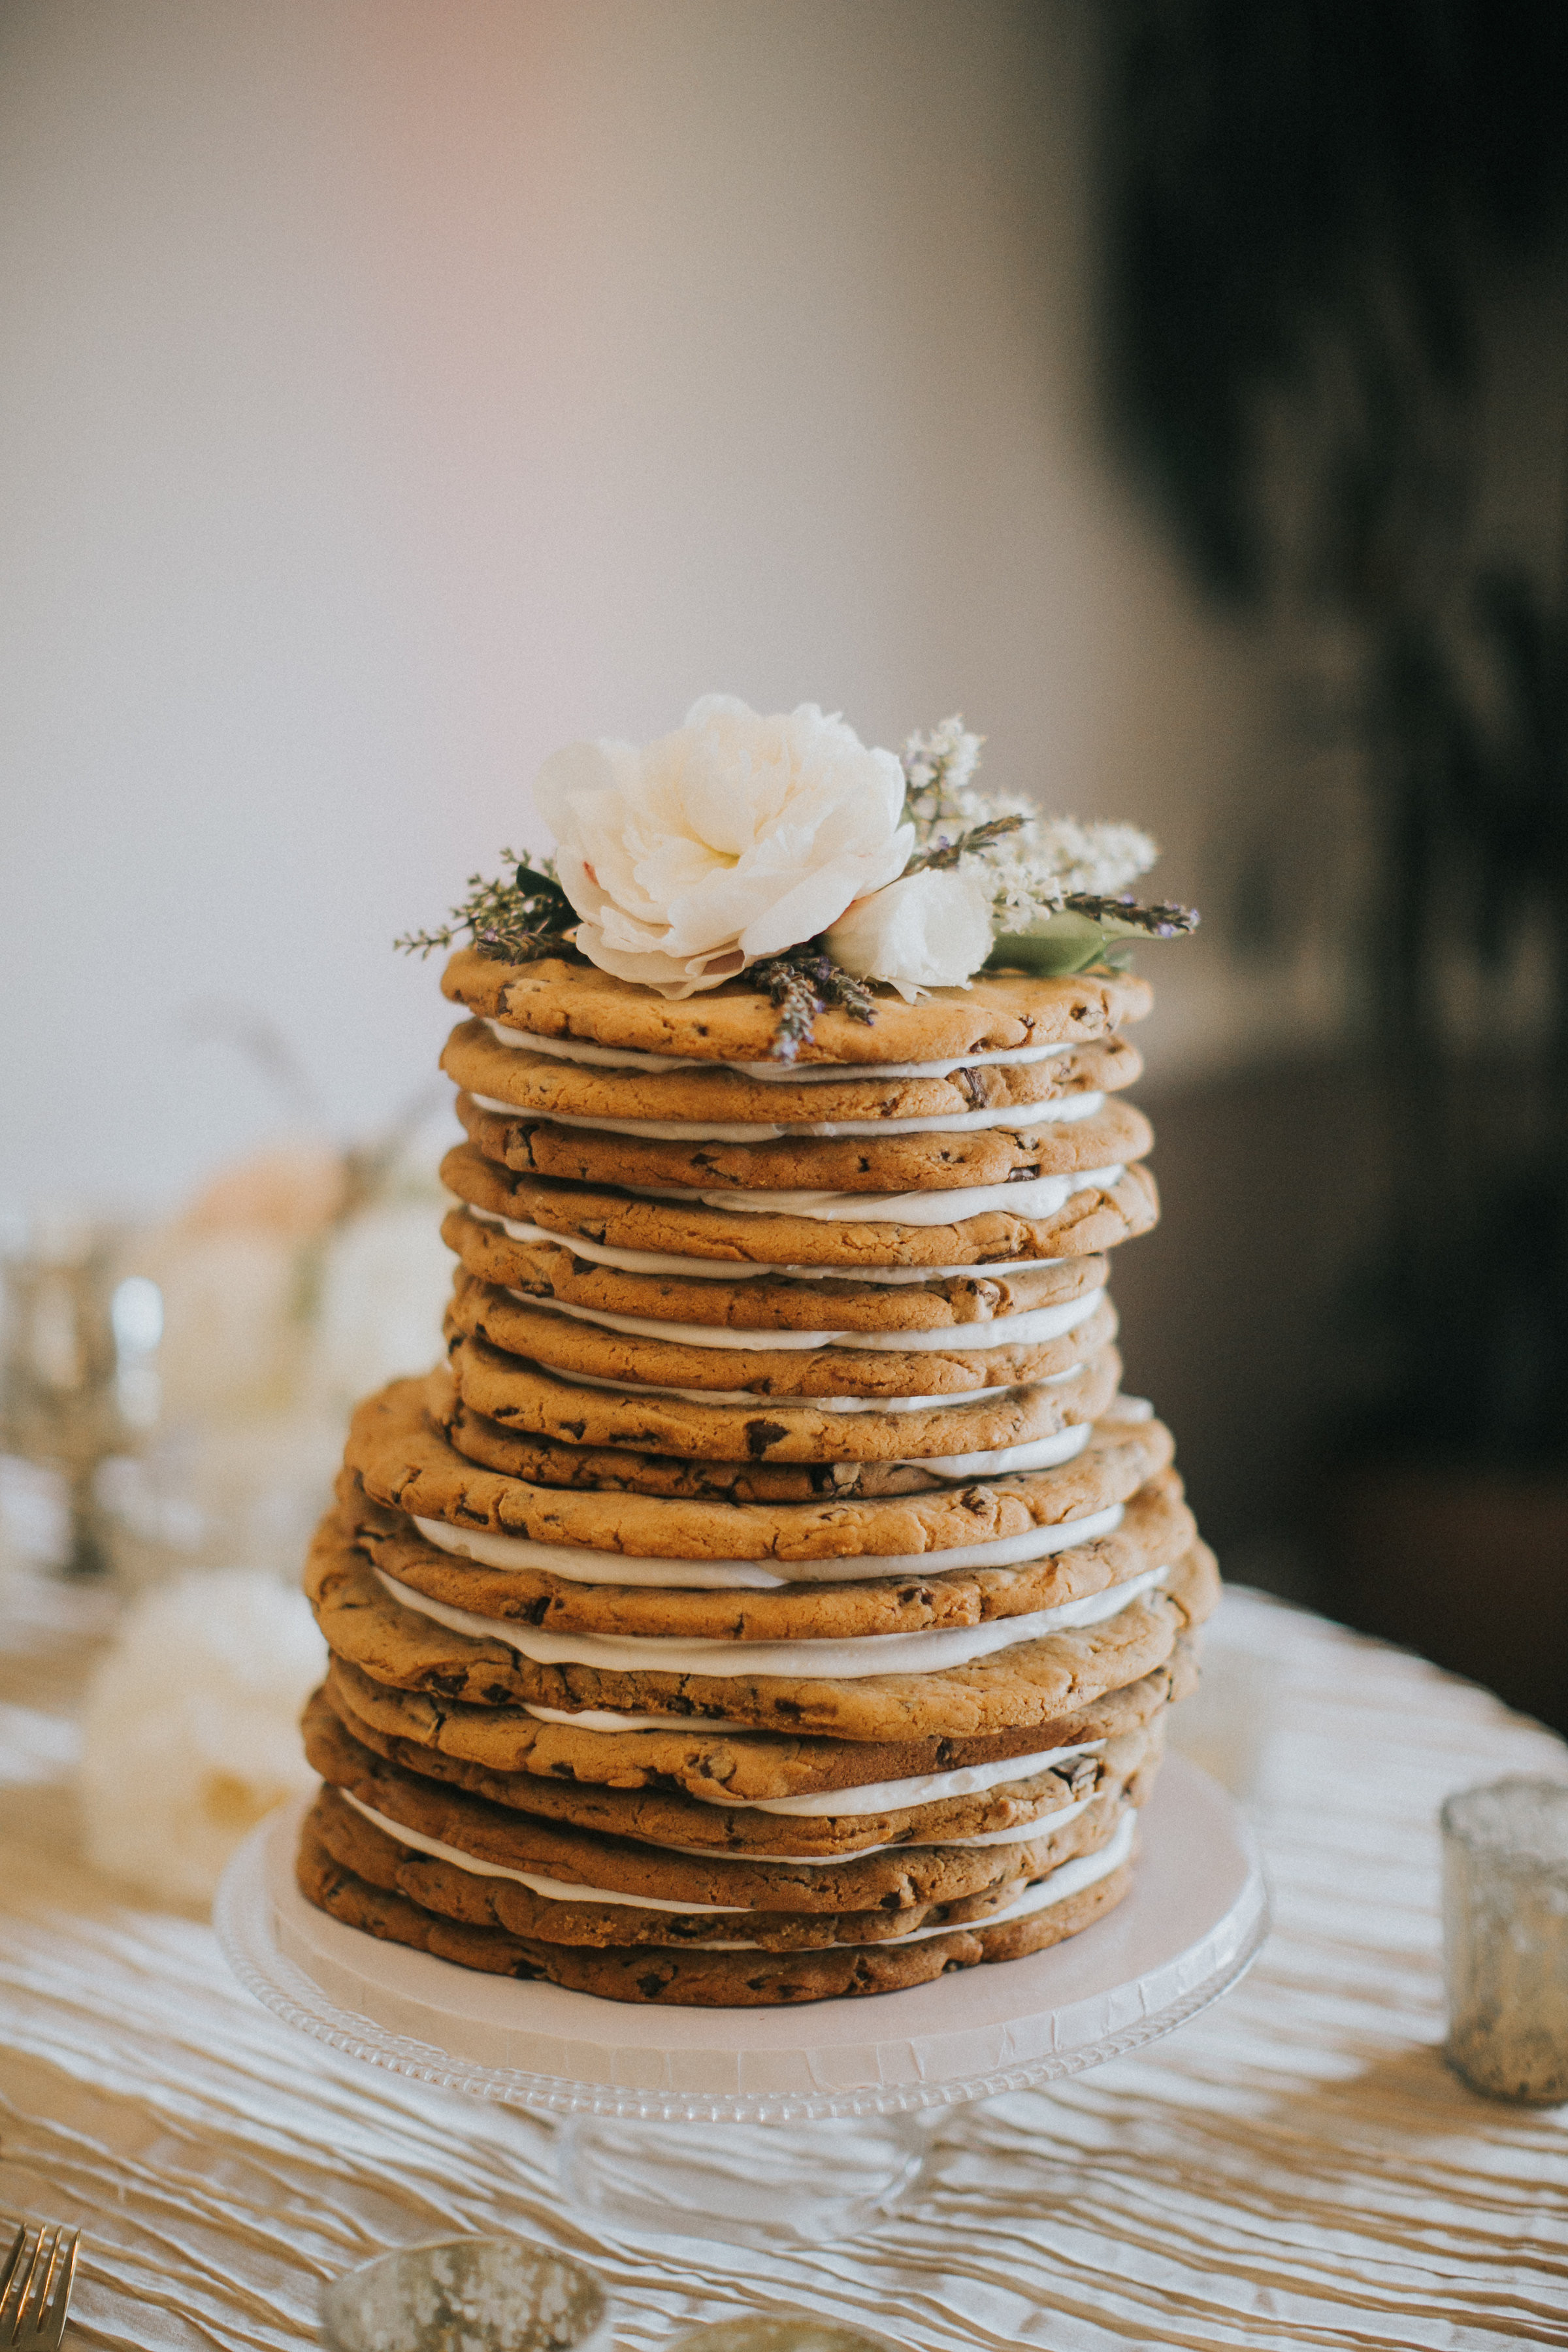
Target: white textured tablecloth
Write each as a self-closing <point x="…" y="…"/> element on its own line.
<point x="1298" y="2167"/>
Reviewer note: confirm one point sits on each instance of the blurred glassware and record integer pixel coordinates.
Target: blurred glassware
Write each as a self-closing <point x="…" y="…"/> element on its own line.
<point x="74" y="1346"/>
<point x="172" y="1396"/>
<point x="469" y="2294"/>
<point x="1505" y="1939"/>
<point x="225" y="1493"/>
<point x="785" y="2331"/>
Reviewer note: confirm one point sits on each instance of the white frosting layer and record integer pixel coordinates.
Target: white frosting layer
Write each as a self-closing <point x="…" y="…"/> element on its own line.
<point x="721" y="1269"/>
<point x="1033" y="1327"/>
<point x="558" y="1890"/>
<point x="1023" y="1119"/>
<point x="570" y="1890"/>
<point x="633" y="1390"/>
<point x="1068" y="1878"/>
<point x="1039" y="1453"/>
<point x="600" y="1718"/>
<point x="580" y="1564"/>
<point x="840" y="1661"/>
<point x="1043" y="1824"/>
<point x="1037" y="1196"/>
<point x="920" y="1789"/>
<point x="609" y="1058"/>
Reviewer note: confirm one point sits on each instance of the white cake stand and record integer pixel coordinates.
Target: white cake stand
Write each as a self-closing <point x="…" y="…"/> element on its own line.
<point x="823" y="2108"/>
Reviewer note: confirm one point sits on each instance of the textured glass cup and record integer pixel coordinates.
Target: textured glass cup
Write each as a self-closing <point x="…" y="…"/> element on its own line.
<point x="1505" y="1939"/>
<point x="469" y="2294"/>
<point x="787" y="2331"/>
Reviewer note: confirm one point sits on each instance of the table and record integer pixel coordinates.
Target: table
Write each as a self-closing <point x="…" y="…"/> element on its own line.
<point x="1296" y="2167"/>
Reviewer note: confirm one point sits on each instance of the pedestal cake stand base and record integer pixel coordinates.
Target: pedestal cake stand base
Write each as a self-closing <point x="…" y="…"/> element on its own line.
<point x="825" y="2108"/>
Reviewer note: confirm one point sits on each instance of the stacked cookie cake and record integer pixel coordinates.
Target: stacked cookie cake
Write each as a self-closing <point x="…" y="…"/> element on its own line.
<point x="773" y="1597"/>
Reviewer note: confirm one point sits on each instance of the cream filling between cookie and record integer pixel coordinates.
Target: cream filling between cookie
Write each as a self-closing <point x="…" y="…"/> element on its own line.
<point x="1031" y="1196"/>
<point x="869" y="1796"/>
<point x="556" y="1890"/>
<point x="830" y="1660"/>
<point x="615" y="1057"/>
<point x="1030" y="1328"/>
<point x="920" y="1789"/>
<point x="570" y="1890"/>
<point x="634" y="1389"/>
<point x="1039" y="1453"/>
<point x="728" y="1269"/>
<point x="1068" y="1878"/>
<point x="1023" y="1119"/>
<point x="1043" y="1824"/>
<point x="582" y="1564"/>
<point x="606" y="1720"/>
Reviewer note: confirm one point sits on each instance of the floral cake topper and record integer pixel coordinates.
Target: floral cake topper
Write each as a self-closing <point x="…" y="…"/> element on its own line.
<point x="786" y="849"/>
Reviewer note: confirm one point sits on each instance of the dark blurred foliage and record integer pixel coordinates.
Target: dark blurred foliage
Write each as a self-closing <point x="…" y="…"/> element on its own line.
<point x="1314" y="204"/>
<point x="1293" y="170"/>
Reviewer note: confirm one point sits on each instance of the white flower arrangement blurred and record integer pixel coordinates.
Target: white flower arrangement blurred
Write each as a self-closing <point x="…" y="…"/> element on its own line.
<point x="294" y="1282"/>
<point x="191" y="1729"/>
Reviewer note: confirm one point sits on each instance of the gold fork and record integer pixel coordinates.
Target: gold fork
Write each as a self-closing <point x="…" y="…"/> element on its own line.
<point x="37" y="2291"/>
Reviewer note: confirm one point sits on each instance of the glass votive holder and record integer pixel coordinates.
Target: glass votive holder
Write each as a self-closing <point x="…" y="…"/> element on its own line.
<point x="784" y="2331"/>
<point x="468" y="2295"/>
<point x="1505" y="1939"/>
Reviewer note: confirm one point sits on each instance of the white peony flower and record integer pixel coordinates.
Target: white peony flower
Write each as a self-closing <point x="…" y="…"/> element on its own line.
<point x="735" y="838"/>
<point x="932" y="929"/>
<point x="192" y="1728"/>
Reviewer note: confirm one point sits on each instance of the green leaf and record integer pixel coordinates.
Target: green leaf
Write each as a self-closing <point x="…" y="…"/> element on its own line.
<point x="1067" y="943"/>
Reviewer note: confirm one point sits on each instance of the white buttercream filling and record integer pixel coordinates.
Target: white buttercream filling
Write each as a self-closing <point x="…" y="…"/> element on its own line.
<point x="570" y="1890"/>
<point x="1034" y="1196"/>
<point x="1039" y="1453"/>
<point x="919" y="1789"/>
<point x="606" y="1720"/>
<point x="1023" y="1119"/>
<point x="1031" y="1329"/>
<point x="580" y="1564"/>
<point x="609" y="1058"/>
<point x="869" y="1796"/>
<point x="1043" y="1824"/>
<point x="632" y="1391"/>
<point x="721" y="1269"/>
<point x="841" y="1661"/>
<point x="557" y="1890"/>
<point x="1068" y="1878"/>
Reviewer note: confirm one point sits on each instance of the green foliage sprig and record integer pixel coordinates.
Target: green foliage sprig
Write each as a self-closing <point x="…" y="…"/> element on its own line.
<point x="510" y="922"/>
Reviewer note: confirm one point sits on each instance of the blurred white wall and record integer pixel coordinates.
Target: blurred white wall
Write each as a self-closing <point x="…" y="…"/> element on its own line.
<point x="393" y="390"/>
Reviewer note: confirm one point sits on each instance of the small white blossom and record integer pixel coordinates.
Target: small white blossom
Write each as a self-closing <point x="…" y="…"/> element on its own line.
<point x="1098" y="860"/>
<point x="943" y="762"/>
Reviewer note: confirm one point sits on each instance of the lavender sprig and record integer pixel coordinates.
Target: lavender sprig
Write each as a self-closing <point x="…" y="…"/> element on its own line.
<point x="1160" y="921"/>
<point x="963" y="845"/>
<point x="802" y="982"/>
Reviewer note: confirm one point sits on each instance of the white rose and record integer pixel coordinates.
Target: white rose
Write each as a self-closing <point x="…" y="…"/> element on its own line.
<point x="735" y="838"/>
<point x="931" y="931"/>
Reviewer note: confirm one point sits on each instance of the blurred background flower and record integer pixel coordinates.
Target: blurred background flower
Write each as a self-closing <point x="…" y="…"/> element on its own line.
<point x="191" y="1732"/>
